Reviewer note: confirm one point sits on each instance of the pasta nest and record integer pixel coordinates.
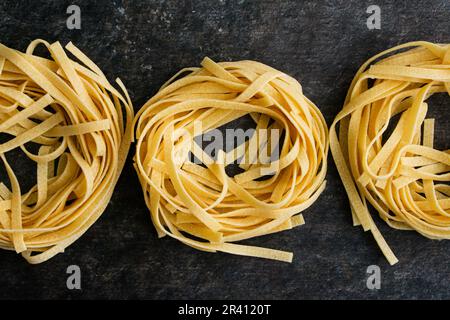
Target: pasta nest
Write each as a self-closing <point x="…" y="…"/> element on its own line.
<point x="393" y="165"/>
<point x="187" y="189"/>
<point x="66" y="118"/>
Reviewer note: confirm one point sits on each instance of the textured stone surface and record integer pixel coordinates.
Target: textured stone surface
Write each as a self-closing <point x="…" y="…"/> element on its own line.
<point x="321" y="44"/>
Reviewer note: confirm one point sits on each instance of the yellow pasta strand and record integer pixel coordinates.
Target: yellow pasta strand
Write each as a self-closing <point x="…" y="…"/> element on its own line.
<point x="398" y="172"/>
<point x="82" y="126"/>
<point x="198" y="203"/>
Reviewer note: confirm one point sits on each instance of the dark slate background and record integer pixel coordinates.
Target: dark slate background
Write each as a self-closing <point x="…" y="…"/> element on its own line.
<point x="321" y="43"/>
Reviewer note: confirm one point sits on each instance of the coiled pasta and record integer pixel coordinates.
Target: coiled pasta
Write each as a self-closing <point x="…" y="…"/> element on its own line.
<point x="80" y="126"/>
<point x="398" y="172"/>
<point x="198" y="203"/>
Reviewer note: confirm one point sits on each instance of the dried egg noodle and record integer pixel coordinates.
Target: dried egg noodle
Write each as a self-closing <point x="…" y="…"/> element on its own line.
<point x="399" y="173"/>
<point x="202" y="206"/>
<point x="75" y="117"/>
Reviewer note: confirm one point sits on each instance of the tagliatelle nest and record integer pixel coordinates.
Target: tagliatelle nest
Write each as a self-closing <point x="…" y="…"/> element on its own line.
<point x="399" y="172"/>
<point x="81" y="128"/>
<point x="198" y="203"/>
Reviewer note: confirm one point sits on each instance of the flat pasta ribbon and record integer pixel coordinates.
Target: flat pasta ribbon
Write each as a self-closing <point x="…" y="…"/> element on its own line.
<point x="397" y="171"/>
<point x="198" y="203"/>
<point x="80" y="126"/>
